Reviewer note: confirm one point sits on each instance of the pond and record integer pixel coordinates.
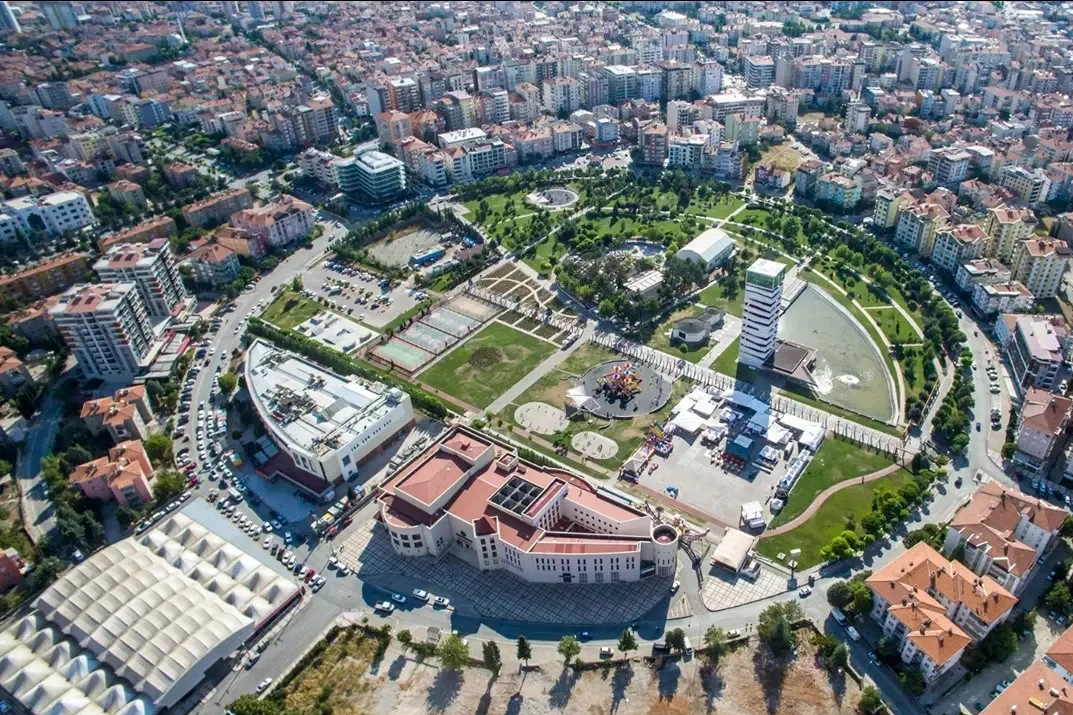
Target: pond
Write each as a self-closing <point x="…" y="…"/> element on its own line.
<point x="849" y="369"/>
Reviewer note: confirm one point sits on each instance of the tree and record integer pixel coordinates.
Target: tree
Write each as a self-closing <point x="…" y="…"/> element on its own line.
<point x="627" y="642"/>
<point x="158" y="449"/>
<point x="862" y="598"/>
<point x="840" y="594"/>
<point x="524" y="651"/>
<point x="296" y="284"/>
<point x="676" y="639"/>
<point x="250" y="704"/>
<point x="569" y="648"/>
<point x="870" y="701"/>
<point x="1067" y="527"/>
<point x="775" y="626"/>
<point x="716" y="640"/>
<point x="1059" y="598"/>
<point x="228" y="381"/>
<point x="490" y="654"/>
<point x="405" y="637"/>
<point x="453" y="652"/>
<point x="169" y="484"/>
<point x="838" y="657"/>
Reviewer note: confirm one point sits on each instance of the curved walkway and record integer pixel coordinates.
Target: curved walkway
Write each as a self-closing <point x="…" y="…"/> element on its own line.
<point x="825" y="494"/>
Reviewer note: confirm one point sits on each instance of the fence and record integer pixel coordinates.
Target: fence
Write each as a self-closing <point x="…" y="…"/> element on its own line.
<point x="541" y="315"/>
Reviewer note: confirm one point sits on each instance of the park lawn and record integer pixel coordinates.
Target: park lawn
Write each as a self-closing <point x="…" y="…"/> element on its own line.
<point x="752" y="217"/>
<point x="837" y="461"/>
<point x="552" y="388"/>
<point x="547" y="251"/>
<point x="914" y="386"/>
<point x="290" y="309"/>
<point x="829" y="521"/>
<point x="718" y="208"/>
<point x="660" y="341"/>
<point x="727" y="362"/>
<point x="714" y="296"/>
<point x="513" y="355"/>
<point x="894" y="326"/>
<point x="862" y="294"/>
<point x="627" y="227"/>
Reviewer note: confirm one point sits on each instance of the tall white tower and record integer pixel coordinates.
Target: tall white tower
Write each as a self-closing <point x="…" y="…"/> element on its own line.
<point x="760" y="316"/>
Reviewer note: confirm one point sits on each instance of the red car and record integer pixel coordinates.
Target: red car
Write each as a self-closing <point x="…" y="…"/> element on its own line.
<point x="309" y="575"/>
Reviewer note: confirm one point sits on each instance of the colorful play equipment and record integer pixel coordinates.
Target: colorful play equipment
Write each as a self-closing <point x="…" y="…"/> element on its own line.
<point x="621" y="383"/>
<point x="659" y="440"/>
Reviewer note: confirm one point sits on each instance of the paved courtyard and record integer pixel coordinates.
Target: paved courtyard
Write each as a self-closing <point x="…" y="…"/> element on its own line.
<point x="498" y="594"/>
<point x="721" y="339"/>
<point x="698" y="474"/>
<point x="724" y="590"/>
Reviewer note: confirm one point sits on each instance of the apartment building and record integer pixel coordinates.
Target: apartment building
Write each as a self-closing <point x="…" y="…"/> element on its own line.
<point x="1001" y="297"/>
<point x="213" y="265"/>
<point x="315" y="122"/>
<point x="161" y="227"/>
<point x="759" y="71"/>
<point x="51" y="214"/>
<point x="838" y="191"/>
<point x="14" y="375"/>
<point x="377" y="176"/>
<point x="179" y="175"/>
<point x="278" y="223"/>
<point x="917" y="226"/>
<point x="1041" y="431"/>
<point x="935" y="608"/>
<point x="1004" y="533"/>
<point x="217" y="208"/>
<point x="949" y="166"/>
<point x="107" y="328"/>
<point x="122" y="476"/>
<point x="621" y="84"/>
<point x="125" y="415"/>
<point x="888" y="204"/>
<point x="472" y="497"/>
<point x="562" y="95"/>
<point x="392" y="127"/>
<point x="1037" y="348"/>
<point x="45" y="278"/>
<point x="153" y="268"/>
<point x="654" y="144"/>
<point x="1044" y="686"/>
<point x="1006" y="227"/>
<point x="1040" y="263"/>
<point x="1031" y="187"/>
<point x="956" y="245"/>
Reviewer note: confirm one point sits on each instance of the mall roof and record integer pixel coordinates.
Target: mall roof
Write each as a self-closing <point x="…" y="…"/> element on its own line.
<point x="132" y="628"/>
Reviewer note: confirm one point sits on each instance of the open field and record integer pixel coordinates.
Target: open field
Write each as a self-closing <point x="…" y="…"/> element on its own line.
<point x="483" y="367"/>
<point x="836" y="461"/>
<point x="894" y="326"/>
<point x="829" y="521"/>
<point x="720" y="207"/>
<point x="783" y="155"/>
<point x="715" y="296"/>
<point x="348" y="679"/>
<point x="290" y="309"/>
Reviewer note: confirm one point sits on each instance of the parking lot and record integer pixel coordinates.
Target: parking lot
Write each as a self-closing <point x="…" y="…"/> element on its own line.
<point x="362" y="296"/>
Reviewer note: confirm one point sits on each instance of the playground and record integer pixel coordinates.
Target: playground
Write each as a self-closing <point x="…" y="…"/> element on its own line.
<point x="541" y="418"/>
<point x="594" y="445"/>
<point x="621" y="389"/>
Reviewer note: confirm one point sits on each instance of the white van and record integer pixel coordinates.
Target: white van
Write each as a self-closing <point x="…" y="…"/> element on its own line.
<point x="688" y="647"/>
<point x="852" y="633"/>
<point x="839" y="616"/>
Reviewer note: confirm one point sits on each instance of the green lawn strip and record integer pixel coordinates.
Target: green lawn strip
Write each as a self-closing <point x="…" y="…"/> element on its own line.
<point x="915" y="385"/>
<point x="856" y="312"/>
<point x="894" y="325"/>
<point x="727" y="362"/>
<point x="547" y="253"/>
<point x="712" y="207"/>
<point x="390" y="327"/>
<point x="660" y="341"/>
<point x="837" y="461"/>
<point x="829" y="521"/>
<point x="290" y="309"/>
<point x="477" y="385"/>
<point x="714" y="296"/>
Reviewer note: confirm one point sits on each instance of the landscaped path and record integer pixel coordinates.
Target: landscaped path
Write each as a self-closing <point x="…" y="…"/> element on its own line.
<point x="825" y="494"/>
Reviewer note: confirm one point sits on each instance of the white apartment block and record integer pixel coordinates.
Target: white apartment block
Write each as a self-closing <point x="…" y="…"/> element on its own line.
<point x="917" y="226"/>
<point x="957" y="245"/>
<point x="949" y="166"/>
<point x="107" y="328"/>
<point x="1037" y="348"/>
<point x="472" y="497"/>
<point x="1006" y="227"/>
<point x="52" y="214"/>
<point x="760" y="316"/>
<point x="1040" y="263"/>
<point x="759" y="71"/>
<point x="1010" y="297"/>
<point x="280" y="222"/>
<point x="152" y="267"/>
<point x="561" y="94"/>
<point x="1032" y="187"/>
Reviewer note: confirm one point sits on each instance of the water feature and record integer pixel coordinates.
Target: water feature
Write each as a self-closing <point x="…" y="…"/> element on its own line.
<point x="849" y="369"/>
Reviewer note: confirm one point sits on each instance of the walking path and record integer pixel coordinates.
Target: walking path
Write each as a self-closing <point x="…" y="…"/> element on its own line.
<point x="823" y="496"/>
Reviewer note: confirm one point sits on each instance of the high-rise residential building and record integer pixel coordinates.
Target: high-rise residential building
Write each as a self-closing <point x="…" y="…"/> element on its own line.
<point x="152" y="267"/>
<point x="917" y="225"/>
<point x="8" y="22"/>
<point x="315" y="122"/>
<point x="107" y="328"/>
<point x="949" y="166"/>
<point x="562" y="95"/>
<point x="677" y="80"/>
<point x="761" y="311"/>
<point x="376" y="175"/>
<point x="759" y="71"/>
<point x="1032" y="187"/>
<point x="654" y="144"/>
<point x="256" y="9"/>
<point x="956" y="245"/>
<point x="857" y="114"/>
<point x="1040" y="263"/>
<point x="888" y="204"/>
<point x="621" y="84"/>
<point x="60" y="15"/>
<point x="1006" y="227"/>
<point x="707" y="77"/>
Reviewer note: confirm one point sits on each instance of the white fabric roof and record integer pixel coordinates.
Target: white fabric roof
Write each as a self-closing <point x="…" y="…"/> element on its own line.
<point x="707" y="245"/>
<point x="734" y="548"/>
<point x="134" y="627"/>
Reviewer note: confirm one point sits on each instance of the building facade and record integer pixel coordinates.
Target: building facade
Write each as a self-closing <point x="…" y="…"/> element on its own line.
<point x="761" y="312"/>
<point x="107" y="328"/>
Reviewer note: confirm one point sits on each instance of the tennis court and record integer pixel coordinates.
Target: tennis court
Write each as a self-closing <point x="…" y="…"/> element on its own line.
<point x="450" y="322"/>
<point x="402" y="354"/>
<point x="473" y="308"/>
<point x="427" y="338"/>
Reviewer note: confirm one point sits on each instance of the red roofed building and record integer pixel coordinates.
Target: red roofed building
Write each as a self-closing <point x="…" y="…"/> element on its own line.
<point x="123" y="476"/>
<point x="214" y="265"/>
<point x="280" y="222"/>
<point x="125" y="414"/>
<point x="472" y="497"/>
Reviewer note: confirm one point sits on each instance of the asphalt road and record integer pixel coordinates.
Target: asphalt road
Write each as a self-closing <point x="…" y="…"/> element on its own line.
<point x="37" y="508"/>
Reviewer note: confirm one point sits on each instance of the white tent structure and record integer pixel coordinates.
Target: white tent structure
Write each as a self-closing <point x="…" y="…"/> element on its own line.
<point x="733" y="550"/>
<point x="133" y="629"/>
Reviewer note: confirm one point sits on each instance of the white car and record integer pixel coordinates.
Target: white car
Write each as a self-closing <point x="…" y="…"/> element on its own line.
<point x="263" y="685"/>
<point x="267" y="542"/>
<point x="384" y="606"/>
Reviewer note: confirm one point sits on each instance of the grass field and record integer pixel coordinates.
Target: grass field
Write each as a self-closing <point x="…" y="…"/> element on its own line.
<point x="894" y="326"/>
<point x="660" y="341"/>
<point x="547" y="253"/>
<point x="784" y="155"/>
<point x="727" y="362"/>
<point x="829" y="521"/>
<point x="715" y="296"/>
<point x="290" y="309"/>
<point x="720" y="207"/>
<point x="483" y="367"/>
<point x="837" y="461"/>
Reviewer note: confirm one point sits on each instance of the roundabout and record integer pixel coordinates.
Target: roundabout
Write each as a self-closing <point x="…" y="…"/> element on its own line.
<point x="555" y="198"/>
<point x="622" y="389"/>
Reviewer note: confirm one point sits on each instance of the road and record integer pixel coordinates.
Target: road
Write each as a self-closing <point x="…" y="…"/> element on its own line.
<point x="37" y="508"/>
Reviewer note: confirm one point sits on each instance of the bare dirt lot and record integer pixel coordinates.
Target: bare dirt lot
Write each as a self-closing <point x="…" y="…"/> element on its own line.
<point x="395" y="250"/>
<point x="744" y="682"/>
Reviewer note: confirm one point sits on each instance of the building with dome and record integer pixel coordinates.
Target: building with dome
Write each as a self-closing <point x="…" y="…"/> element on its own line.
<point x="134" y="628"/>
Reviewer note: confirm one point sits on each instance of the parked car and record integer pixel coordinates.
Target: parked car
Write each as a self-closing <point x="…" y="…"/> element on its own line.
<point x="384" y="606"/>
<point x="398" y="598"/>
<point x="263" y="685"/>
